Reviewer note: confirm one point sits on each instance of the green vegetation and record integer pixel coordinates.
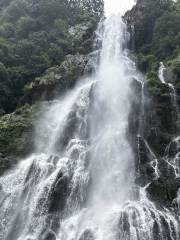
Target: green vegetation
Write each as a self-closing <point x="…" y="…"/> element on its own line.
<point x="156" y="32"/>
<point x="55" y="80"/>
<point x="36" y="35"/>
<point x="17" y="134"/>
<point x="156" y="36"/>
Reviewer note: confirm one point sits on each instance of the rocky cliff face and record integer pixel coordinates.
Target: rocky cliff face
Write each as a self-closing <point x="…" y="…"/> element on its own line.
<point x="155" y="111"/>
<point x="153" y="125"/>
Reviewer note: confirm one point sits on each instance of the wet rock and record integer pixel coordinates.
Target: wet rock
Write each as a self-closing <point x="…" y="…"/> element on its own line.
<point x="145" y="169"/>
<point x="124" y="227"/>
<point x="59" y="193"/>
<point x="159" y="126"/>
<point x="166" y="228"/>
<point x="156" y="231"/>
<point x="2" y="112"/>
<point x="173" y="148"/>
<point x="136" y="101"/>
<point x="87" y="235"/>
<point x="50" y="235"/>
<point x="68" y="133"/>
<point x="166" y="170"/>
<point x="163" y="191"/>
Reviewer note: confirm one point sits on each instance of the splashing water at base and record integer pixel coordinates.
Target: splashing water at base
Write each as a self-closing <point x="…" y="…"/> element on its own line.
<point x="80" y="183"/>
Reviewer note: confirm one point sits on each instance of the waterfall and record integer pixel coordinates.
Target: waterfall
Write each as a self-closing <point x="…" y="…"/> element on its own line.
<point x="161" y="72"/>
<point x="173" y="93"/>
<point x="80" y="182"/>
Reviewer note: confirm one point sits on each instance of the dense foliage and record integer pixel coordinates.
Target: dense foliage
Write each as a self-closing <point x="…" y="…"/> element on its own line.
<point x="35" y="35"/>
<point x="157" y="33"/>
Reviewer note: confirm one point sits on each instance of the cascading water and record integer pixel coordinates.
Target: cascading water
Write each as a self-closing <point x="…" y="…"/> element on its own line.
<point x="172" y="90"/>
<point x="161" y="72"/>
<point x="172" y="159"/>
<point x="80" y="183"/>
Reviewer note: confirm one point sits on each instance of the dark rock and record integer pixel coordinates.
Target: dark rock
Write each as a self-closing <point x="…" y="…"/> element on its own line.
<point x="6" y="162"/>
<point x="173" y="148"/>
<point x="50" y="235"/>
<point x="2" y="112"/>
<point x="156" y="230"/>
<point x="165" y="227"/>
<point x="136" y="103"/>
<point x="124" y="227"/>
<point x="159" y="126"/>
<point x="166" y="170"/>
<point x="87" y="235"/>
<point x="59" y="193"/>
<point x="145" y="168"/>
<point x="163" y="191"/>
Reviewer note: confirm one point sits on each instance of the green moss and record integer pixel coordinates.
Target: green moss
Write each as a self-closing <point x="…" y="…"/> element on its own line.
<point x="16" y="129"/>
<point x="153" y="85"/>
<point x="175" y="64"/>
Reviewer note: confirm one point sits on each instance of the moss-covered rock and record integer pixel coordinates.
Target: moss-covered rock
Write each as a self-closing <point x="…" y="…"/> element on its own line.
<point x="16" y="134"/>
<point x="159" y="124"/>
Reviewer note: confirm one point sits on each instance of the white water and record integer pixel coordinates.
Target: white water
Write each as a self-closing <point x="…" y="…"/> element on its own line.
<point x="79" y="185"/>
<point x="120" y="6"/>
<point x="161" y="72"/>
<point x="162" y="68"/>
<point x="111" y="156"/>
<point x="173" y="94"/>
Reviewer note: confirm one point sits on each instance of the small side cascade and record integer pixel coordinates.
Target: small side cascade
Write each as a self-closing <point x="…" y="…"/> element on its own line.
<point x="142" y="104"/>
<point x="173" y="94"/>
<point x="172" y="155"/>
<point x="175" y="103"/>
<point x="154" y="162"/>
<point x="147" y="162"/>
<point x="161" y="73"/>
